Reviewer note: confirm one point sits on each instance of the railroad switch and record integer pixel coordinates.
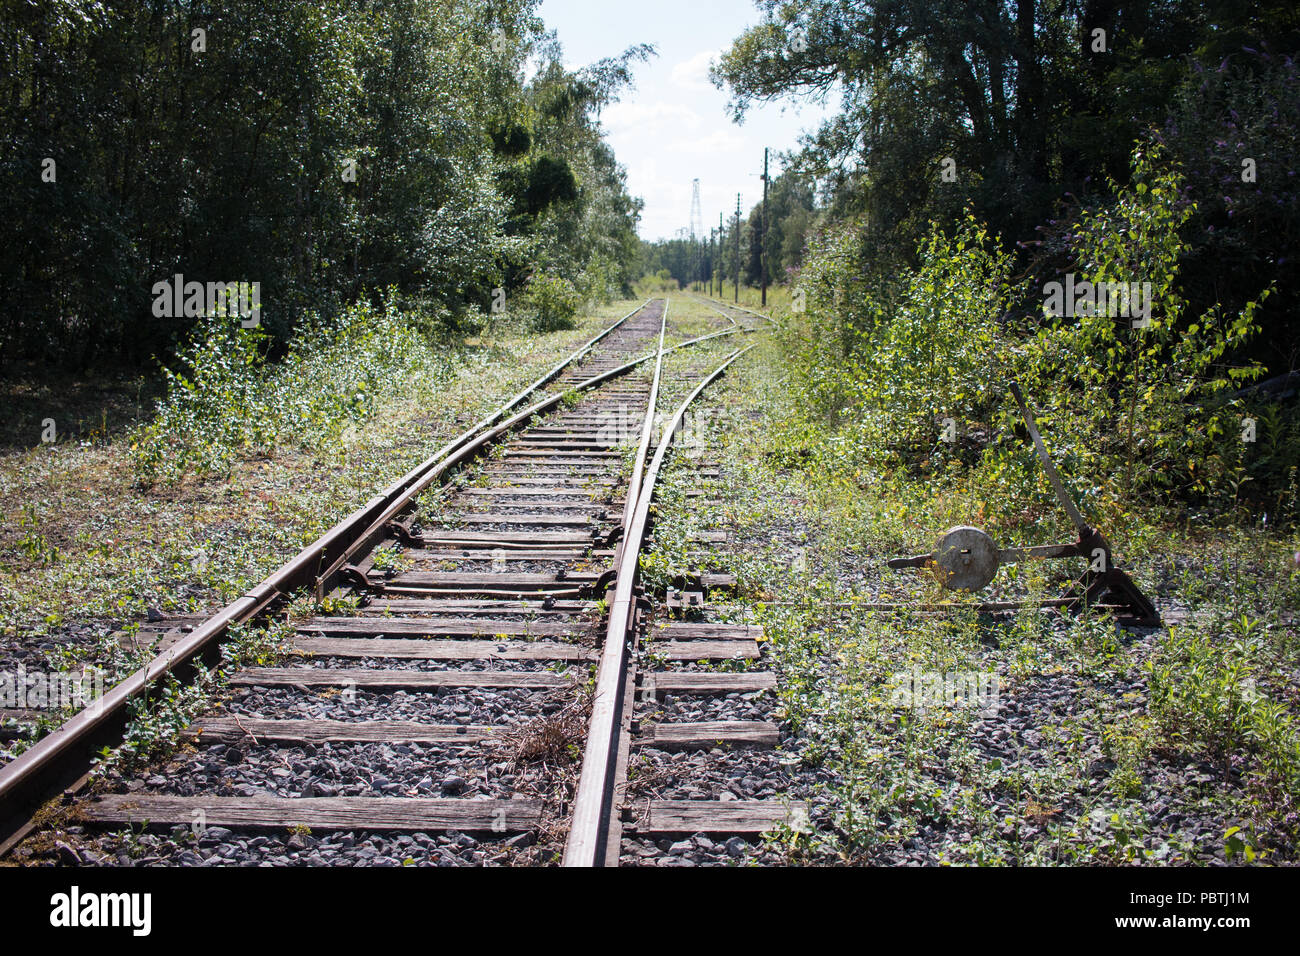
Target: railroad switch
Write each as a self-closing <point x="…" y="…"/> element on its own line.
<point x="966" y="558"/>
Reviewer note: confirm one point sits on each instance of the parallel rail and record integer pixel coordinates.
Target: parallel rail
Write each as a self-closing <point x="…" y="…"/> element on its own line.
<point x="61" y="762"/>
<point x="593" y="814"/>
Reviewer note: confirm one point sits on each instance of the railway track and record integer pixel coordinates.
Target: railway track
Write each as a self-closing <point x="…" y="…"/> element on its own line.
<point x="738" y="315"/>
<point x="675" y="657"/>
<point x="477" y="626"/>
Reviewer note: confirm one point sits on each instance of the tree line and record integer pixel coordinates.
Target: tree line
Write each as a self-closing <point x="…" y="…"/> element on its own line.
<point x="1024" y="115"/>
<point x="990" y="160"/>
<point x="327" y="151"/>
<point x="771" y="251"/>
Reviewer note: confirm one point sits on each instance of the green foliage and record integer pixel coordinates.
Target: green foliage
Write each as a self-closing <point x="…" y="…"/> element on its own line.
<point x="1271" y="465"/>
<point x="938" y="355"/>
<point x="325" y="150"/>
<point x="569" y="207"/>
<point x="1204" y="701"/>
<point x="1135" y="413"/>
<point x="226" y="400"/>
<point x="157" y="720"/>
<point x="553" y="300"/>
<point x="1142" y="406"/>
<point x="33" y="545"/>
<point x="661" y="282"/>
<point x="884" y="366"/>
<point x="1200" y="692"/>
<point x="1029" y="111"/>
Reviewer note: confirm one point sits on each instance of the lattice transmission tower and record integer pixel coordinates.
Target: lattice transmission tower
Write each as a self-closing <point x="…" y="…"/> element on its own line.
<point x="697" y="232"/>
<point x="697" y="217"/>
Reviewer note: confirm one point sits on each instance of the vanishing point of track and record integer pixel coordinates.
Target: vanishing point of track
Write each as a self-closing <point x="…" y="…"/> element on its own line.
<point x="518" y="578"/>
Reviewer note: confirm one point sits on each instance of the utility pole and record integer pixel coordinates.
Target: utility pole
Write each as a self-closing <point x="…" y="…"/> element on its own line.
<point x="712" y="235"/>
<point x="697" y="231"/>
<point x="737" y="248"/>
<point x="762" y="242"/>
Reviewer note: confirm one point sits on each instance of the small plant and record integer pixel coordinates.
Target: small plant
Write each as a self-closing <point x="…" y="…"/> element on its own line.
<point x="1236" y="843"/>
<point x="225" y="400"/>
<point x="156" y="721"/>
<point x="390" y="559"/>
<point x="34" y="545"/>
<point x="1197" y="694"/>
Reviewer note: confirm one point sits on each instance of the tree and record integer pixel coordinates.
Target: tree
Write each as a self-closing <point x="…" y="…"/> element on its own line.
<point x="327" y="151"/>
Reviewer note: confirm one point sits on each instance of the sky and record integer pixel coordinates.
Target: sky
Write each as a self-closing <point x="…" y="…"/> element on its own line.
<point x="674" y="125"/>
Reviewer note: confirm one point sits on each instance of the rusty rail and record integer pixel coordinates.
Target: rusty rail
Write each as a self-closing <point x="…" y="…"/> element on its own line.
<point x="61" y="761"/>
<point x="593" y="805"/>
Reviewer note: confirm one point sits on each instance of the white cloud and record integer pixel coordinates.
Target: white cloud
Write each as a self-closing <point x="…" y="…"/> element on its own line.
<point x="693" y="74"/>
<point x="720" y="141"/>
<point x="646" y="117"/>
<point x="662" y="174"/>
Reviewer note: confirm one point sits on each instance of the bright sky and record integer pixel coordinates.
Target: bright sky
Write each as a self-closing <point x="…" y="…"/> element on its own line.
<point x="674" y="127"/>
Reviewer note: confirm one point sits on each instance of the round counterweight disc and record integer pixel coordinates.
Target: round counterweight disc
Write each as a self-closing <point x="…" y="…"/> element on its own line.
<point x="965" y="559"/>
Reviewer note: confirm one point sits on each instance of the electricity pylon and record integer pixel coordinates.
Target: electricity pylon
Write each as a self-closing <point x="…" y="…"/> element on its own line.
<point x="697" y="218"/>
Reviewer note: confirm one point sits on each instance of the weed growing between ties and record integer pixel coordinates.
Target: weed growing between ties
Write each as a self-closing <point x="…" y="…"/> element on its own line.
<point x="555" y="739"/>
<point x="157" y="722"/>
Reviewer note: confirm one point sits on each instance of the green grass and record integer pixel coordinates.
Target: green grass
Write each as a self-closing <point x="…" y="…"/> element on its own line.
<point x="778" y="296"/>
<point x="1177" y="747"/>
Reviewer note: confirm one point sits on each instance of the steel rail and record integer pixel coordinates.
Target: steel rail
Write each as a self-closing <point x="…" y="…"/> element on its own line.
<point x="729" y="318"/>
<point x="647" y="433"/>
<point x="593" y="803"/>
<point x="423" y="473"/>
<point x="494" y="417"/>
<point x="378" y="527"/>
<point x="61" y="761"/>
<point x="709" y="301"/>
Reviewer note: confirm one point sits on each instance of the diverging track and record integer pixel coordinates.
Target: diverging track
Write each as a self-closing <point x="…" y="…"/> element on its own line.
<point x="443" y="685"/>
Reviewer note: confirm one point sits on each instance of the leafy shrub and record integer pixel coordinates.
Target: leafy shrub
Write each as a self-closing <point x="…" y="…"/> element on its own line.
<point x="227" y="400"/>
<point x="885" y="367"/>
<point x="656" y="283"/>
<point x="553" y="300"/>
<point x="1144" y="406"/>
<point x="1136" y="413"/>
<point x="1199" y="694"/>
<point x="600" y="281"/>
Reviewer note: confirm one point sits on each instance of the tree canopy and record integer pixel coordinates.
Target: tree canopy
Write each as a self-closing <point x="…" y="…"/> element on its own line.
<point x="327" y="151"/>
